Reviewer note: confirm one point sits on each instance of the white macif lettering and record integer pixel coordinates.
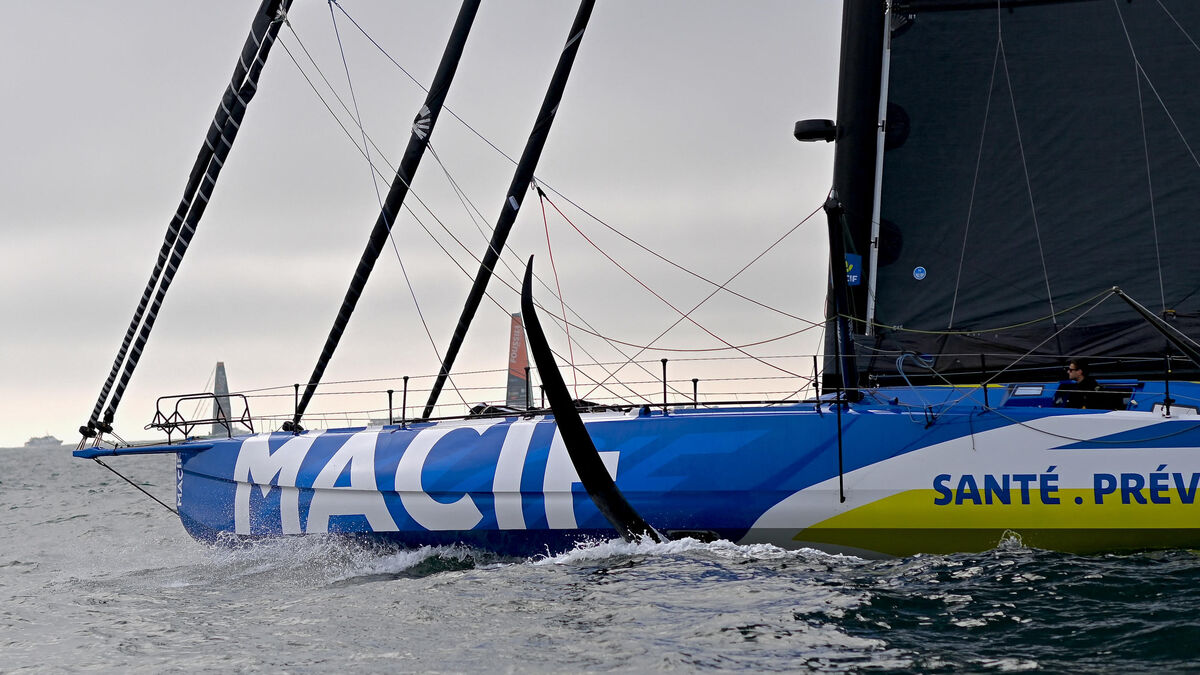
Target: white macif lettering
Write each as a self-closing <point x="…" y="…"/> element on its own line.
<point x="256" y="465"/>
<point x="560" y="477"/>
<point x="461" y="514"/>
<point x="507" y="484"/>
<point x="361" y="498"/>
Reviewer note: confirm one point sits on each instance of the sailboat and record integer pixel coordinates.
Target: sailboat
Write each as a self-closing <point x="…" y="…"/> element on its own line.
<point x="1013" y="179"/>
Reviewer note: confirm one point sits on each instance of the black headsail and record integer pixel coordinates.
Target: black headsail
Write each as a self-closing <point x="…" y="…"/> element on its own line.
<point x="200" y="184"/>
<point x="422" y="127"/>
<point x="1052" y="152"/>
<point x="516" y="195"/>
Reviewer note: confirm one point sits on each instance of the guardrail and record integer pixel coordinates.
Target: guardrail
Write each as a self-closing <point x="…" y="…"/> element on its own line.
<point x="176" y="421"/>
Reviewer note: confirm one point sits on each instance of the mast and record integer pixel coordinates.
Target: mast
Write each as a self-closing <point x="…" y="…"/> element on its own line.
<point x="201" y="182"/>
<point x="422" y="128"/>
<point x="877" y="195"/>
<point x="516" y="193"/>
<point x="857" y="124"/>
<point x="851" y="200"/>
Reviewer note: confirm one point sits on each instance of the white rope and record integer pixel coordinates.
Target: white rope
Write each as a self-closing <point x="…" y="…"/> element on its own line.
<point x="1024" y="165"/>
<point x="1137" y="75"/>
<point x="974" y="182"/>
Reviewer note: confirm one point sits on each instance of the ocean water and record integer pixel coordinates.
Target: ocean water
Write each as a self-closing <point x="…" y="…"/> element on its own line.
<point x="96" y="576"/>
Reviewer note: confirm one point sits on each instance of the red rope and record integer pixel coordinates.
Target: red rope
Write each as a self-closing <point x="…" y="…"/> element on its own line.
<point x="558" y="288"/>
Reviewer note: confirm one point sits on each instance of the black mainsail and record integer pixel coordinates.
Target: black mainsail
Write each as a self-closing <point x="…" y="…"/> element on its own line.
<point x="1038" y="154"/>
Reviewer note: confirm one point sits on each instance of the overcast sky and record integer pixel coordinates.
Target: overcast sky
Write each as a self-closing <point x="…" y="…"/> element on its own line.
<point x="675" y="128"/>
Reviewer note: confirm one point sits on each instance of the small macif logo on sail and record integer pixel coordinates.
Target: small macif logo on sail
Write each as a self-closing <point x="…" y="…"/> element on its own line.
<point x="853" y="269"/>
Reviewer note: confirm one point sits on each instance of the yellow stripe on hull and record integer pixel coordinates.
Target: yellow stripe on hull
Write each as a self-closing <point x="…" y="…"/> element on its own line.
<point x="910" y="522"/>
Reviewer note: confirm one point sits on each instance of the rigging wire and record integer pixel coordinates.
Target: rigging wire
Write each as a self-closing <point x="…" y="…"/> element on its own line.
<point x="1024" y="164"/>
<point x="718" y="286"/>
<point x="455" y="261"/>
<point x="974" y="185"/>
<point x="354" y="99"/>
<point x="212" y="375"/>
<point x="420" y="314"/>
<point x="472" y="210"/>
<point x="1167" y="112"/>
<point x="473" y="213"/>
<point x="364" y="151"/>
<point x="567" y="324"/>
<point x="1145" y="148"/>
<point x="710" y="295"/>
<point x="1106" y="295"/>
<point x="366" y="143"/>
<point x="488" y="295"/>
<point x="1177" y="25"/>
<point x="656" y="381"/>
<point x="422" y="86"/>
<point x="568" y="200"/>
<point x="1099" y="299"/>
<point x="973" y="331"/>
<point x="1162" y="104"/>
<point x="454" y="183"/>
<point x="139" y="487"/>
<point x="1100" y="441"/>
<point x="378" y="196"/>
<point x="336" y="97"/>
<point x="285" y="389"/>
<point x="672" y="263"/>
<point x="557" y="285"/>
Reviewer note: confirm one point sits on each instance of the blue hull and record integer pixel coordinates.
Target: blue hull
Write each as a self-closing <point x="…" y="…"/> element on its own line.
<point x="961" y="480"/>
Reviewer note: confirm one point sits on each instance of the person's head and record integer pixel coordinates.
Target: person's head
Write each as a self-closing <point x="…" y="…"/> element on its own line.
<point x="1077" y="369"/>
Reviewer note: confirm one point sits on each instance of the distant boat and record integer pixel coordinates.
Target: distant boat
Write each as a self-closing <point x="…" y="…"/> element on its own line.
<point x="517" y="390"/>
<point x="43" y="442"/>
<point x="222" y="413"/>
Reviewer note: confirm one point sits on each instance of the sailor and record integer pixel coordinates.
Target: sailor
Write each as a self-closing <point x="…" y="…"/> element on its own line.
<point x="1081" y="389"/>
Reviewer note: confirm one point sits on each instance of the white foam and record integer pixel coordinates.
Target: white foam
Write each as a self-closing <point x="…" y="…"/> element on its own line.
<point x="1009" y="665"/>
<point x="599" y="550"/>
